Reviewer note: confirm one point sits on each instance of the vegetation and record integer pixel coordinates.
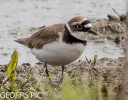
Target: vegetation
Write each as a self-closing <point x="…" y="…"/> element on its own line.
<point x="71" y="88"/>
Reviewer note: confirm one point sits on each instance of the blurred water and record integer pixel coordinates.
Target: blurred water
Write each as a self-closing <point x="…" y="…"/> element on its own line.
<point x="17" y="17"/>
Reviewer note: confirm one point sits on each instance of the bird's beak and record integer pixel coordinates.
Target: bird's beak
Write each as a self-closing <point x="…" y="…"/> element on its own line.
<point x="93" y="32"/>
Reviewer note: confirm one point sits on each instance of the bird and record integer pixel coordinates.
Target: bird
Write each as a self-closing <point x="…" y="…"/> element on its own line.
<point x="59" y="44"/>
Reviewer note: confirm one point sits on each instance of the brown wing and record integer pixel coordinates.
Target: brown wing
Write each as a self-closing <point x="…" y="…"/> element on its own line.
<point x="44" y="36"/>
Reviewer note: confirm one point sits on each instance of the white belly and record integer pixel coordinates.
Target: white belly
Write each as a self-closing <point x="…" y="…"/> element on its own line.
<point x="58" y="53"/>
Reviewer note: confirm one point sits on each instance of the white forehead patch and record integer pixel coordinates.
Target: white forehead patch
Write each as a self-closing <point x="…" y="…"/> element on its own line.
<point x="88" y="25"/>
<point x="85" y="19"/>
<point x="75" y="23"/>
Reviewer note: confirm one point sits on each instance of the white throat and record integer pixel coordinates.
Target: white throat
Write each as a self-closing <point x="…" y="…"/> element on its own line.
<point x="78" y="35"/>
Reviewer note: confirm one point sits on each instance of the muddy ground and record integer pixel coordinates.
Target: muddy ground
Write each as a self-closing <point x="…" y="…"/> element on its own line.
<point x="105" y="69"/>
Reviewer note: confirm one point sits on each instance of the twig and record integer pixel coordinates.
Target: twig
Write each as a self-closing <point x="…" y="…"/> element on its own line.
<point x="21" y="87"/>
<point x="115" y="11"/>
<point x="122" y="17"/>
<point x="41" y="27"/>
<point x="89" y="62"/>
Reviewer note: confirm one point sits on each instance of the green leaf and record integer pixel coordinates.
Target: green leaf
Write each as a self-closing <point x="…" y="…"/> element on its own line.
<point x="13" y="76"/>
<point x="94" y="60"/>
<point x="12" y="66"/>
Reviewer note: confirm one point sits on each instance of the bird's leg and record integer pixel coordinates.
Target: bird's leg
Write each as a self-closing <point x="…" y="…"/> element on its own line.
<point x="63" y="70"/>
<point x="62" y="74"/>
<point x="46" y="70"/>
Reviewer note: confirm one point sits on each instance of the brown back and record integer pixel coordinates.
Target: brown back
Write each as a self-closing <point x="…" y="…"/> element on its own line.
<point x="43" y="36"/>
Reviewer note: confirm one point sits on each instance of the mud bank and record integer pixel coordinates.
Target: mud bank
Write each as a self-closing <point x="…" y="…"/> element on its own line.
<point x="106" y="69"/>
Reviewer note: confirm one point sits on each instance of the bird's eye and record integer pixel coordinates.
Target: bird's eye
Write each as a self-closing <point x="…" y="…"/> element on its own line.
<point x="79" y="26"/>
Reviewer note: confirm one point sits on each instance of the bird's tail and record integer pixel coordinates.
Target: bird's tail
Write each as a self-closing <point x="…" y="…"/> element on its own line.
<point x="22" y="40"/>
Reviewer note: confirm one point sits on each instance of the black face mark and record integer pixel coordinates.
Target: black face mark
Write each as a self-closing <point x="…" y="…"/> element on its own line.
<point x="85" y="23"/>
<point x="68" y="38"/>
<point x="81" y="27"/>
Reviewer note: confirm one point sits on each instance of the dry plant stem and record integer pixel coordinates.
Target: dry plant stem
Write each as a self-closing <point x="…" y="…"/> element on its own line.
<point x="115" y="12"/>
<point x="122" y="94"/>
<point x="122" y="17"/>
<point x="22" y="86"/>
<point x="4" y="81"/>
<point x="89" y="62"/>
<point x="39" y="82"/>
<point x="41" y="27"/>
